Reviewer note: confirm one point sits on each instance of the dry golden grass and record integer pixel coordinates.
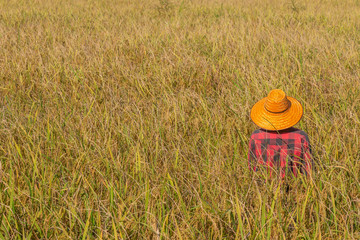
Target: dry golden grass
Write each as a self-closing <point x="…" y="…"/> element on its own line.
<point x="130" y="119"/>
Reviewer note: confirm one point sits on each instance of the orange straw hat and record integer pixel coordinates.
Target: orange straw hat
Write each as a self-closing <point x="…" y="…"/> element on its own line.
<point x="277" y="111"/>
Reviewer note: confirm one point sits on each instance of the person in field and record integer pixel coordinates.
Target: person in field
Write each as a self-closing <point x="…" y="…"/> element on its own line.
<point x="277" y="146"/>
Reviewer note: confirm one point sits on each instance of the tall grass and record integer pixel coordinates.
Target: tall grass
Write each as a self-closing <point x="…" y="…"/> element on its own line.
<point x="130" y="119"/>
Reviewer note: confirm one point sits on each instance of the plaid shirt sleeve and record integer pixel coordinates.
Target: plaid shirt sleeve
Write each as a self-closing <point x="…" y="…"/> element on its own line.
<point x="306" y="151"/>
<point x="252" y="156"/>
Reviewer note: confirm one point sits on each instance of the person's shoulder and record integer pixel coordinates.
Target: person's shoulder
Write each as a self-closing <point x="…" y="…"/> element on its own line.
<point x="301" y="133"/>
<point x="257" y="133"/>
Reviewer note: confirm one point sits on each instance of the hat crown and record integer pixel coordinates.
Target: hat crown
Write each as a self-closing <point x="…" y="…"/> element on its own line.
<point x="277" y="101"/>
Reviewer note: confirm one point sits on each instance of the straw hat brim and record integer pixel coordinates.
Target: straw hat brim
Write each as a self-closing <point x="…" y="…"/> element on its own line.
<point x="276" y="121"/>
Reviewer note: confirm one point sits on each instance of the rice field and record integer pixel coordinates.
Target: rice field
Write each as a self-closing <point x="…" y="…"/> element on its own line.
<point x="130" y="119"/>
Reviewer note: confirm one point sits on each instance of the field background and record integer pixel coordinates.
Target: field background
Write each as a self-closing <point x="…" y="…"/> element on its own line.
<point x="130" y="119"/>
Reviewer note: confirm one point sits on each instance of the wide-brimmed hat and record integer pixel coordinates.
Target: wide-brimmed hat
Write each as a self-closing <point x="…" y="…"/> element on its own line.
<point x="277" y="111"/>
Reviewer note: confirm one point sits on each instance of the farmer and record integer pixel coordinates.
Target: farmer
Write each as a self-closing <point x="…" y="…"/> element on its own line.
<point x="277" y="146"/>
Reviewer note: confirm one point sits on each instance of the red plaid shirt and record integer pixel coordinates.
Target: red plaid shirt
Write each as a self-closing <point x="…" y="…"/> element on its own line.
<point x="288" y="149"/>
